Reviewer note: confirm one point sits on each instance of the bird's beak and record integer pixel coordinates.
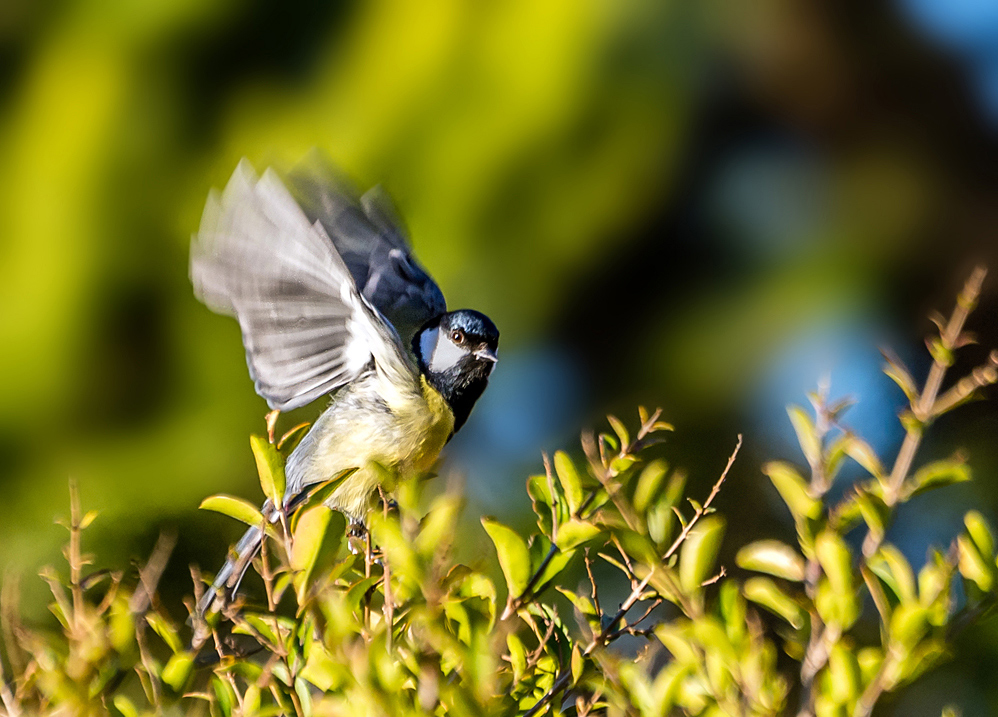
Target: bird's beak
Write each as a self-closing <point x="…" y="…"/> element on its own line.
<point x="486" y="354"/>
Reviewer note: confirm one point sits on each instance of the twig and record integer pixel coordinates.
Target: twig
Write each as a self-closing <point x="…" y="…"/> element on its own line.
<point x="75" y="557"/>
<point x="610" y="629"/>
<point x="699" y="512"/>
<point x="923" y="407"/>
<point x="9" y="703"/>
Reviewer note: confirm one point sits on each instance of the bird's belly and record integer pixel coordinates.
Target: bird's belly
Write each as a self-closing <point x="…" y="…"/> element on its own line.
<point x="384" y="446"/>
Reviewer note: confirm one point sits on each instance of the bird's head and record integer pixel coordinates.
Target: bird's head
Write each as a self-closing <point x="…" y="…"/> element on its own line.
<point x="456" y="353"/>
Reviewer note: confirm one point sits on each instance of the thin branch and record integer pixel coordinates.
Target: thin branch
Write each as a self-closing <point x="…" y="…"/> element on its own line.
<point x="610" y="629"/>
<point x="923" y="407"/>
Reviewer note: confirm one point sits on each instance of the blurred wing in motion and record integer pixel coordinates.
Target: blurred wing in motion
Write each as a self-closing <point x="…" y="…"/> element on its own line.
<point x="306" y="328"/>
<point x="373" y="245"/>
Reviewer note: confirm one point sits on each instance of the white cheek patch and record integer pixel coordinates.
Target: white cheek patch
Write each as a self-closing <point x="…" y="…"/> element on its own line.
<point x="427" y="342"/>
<point x="446" y="353"/>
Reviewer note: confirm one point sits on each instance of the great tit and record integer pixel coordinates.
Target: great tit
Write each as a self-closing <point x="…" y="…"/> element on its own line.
<point x="331" y="301"/>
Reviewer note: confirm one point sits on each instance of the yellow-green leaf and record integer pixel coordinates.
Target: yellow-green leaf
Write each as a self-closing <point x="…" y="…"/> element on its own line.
<point x="233" y="507"/>
<point x="699" y="551"/>
<point x="807" y="436"/>
<point x="936" y="475"/>
<point x="574" y="533"/>
<point x="981" y="533"/>
<point x="571" y="481"/>
<point x="764" y="592"/>
<point x="649" y="483"/>
<point x="836" y="560"/>
<point x="618" y="427"/>
<point x="772" y="557"/>
<point x="177" y="670"/>
<point x="793" y="490"/>
<point x="972" y="565"/>
<point x="308" y="536"/>
<point x="514" y="558"/>
<point x="270" y="467"/>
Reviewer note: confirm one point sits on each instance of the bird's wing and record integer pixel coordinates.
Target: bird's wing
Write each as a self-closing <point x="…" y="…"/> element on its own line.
<point x="369" y="237"/>
<point x="306" y="327"/>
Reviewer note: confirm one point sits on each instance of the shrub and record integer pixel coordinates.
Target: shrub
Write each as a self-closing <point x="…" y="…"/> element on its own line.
<point x="398" y="627"/>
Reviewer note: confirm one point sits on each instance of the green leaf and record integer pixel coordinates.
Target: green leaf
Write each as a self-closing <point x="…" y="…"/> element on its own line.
<point x="699" y="551"/>
<point x="835" y="559"/>
<point x="574" y="533"/>
<point x="649" y="483"/>
<point x="909" y="623"/>
<point x="936" y="475"/>
<point x="793" y="490"/>
<point x="233" y="507"/>
<point x="125" y="706"/>
<point x="972" y="566"/>
<point x="979" y="530"/>
<point x="874" y="511"/>
<point x="807" y="436"/>
<point x="861" y="452"/>
<point x="514" y="558"/>
<point x="844" y="674"/>
<point x="177" y="670"/>
<point x="165" y="630"/>
<point x="225" y="695"/>
<point x="764" y="592"/>
<point x="270" y="467"/>
<point x="902" y="377"/>
<point x="570" y="480"/>
<point x="618" y="427"/>
<point x="517" y="654"/>
<point x="892" y="567"/>
<point x="577" y="664"/>
<point x="310" y="531"/>
<point x="772" y="557"/>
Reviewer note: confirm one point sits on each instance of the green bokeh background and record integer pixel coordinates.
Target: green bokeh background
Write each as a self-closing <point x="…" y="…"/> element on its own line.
<point x="682" y="204"/>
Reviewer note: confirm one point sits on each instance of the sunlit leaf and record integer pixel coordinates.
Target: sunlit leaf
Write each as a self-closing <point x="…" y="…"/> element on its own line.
<point x="234" y="507"/>
<point x="306" y="544"/>
<point x="936" y="475"/>
<point x="807" y="435"/>
<point x="177" y="670"/>
<point x="574" y="533"/>
<point x="792" y="489"/>
<point x="514" y="559"/>
<point x="620" y="429"/>
<point x="890" y="565"/>
<point x="902" y="377"/>
<point x="571" y="481"/>
<point x="772" y="557"/>
<point x="972" y="566"/>
<point x="980" y="531"/>
<point x="699" y="551"/>
<point x="648" y="484"/>
<point x="764" y="592"/>
<point x="270" y="467"/>
<point x="836" y="560"/>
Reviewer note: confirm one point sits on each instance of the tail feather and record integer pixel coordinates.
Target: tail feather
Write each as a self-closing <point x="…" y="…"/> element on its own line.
<point x="231" y="573"/>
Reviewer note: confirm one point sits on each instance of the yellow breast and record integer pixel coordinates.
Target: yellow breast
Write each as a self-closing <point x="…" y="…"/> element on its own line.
<point x="439" y="424"/>
<point x="399" y="444"/>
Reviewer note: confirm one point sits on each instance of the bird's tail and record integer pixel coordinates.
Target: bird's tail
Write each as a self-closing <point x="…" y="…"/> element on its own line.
<point x="231" y="573"/>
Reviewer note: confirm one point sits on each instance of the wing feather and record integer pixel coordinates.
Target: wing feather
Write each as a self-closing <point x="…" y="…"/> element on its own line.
<point x="306" y="328"/>
<point x="369" y="237"/>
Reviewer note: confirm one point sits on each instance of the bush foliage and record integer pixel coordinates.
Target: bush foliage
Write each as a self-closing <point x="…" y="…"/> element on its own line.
<point x="390" y="623"/>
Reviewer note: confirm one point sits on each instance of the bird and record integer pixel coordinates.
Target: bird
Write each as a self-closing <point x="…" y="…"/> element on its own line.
<point x="331" y="302"/>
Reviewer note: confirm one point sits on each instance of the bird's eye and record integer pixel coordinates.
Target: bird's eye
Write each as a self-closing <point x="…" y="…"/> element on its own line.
<point x="457" y="336"/>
